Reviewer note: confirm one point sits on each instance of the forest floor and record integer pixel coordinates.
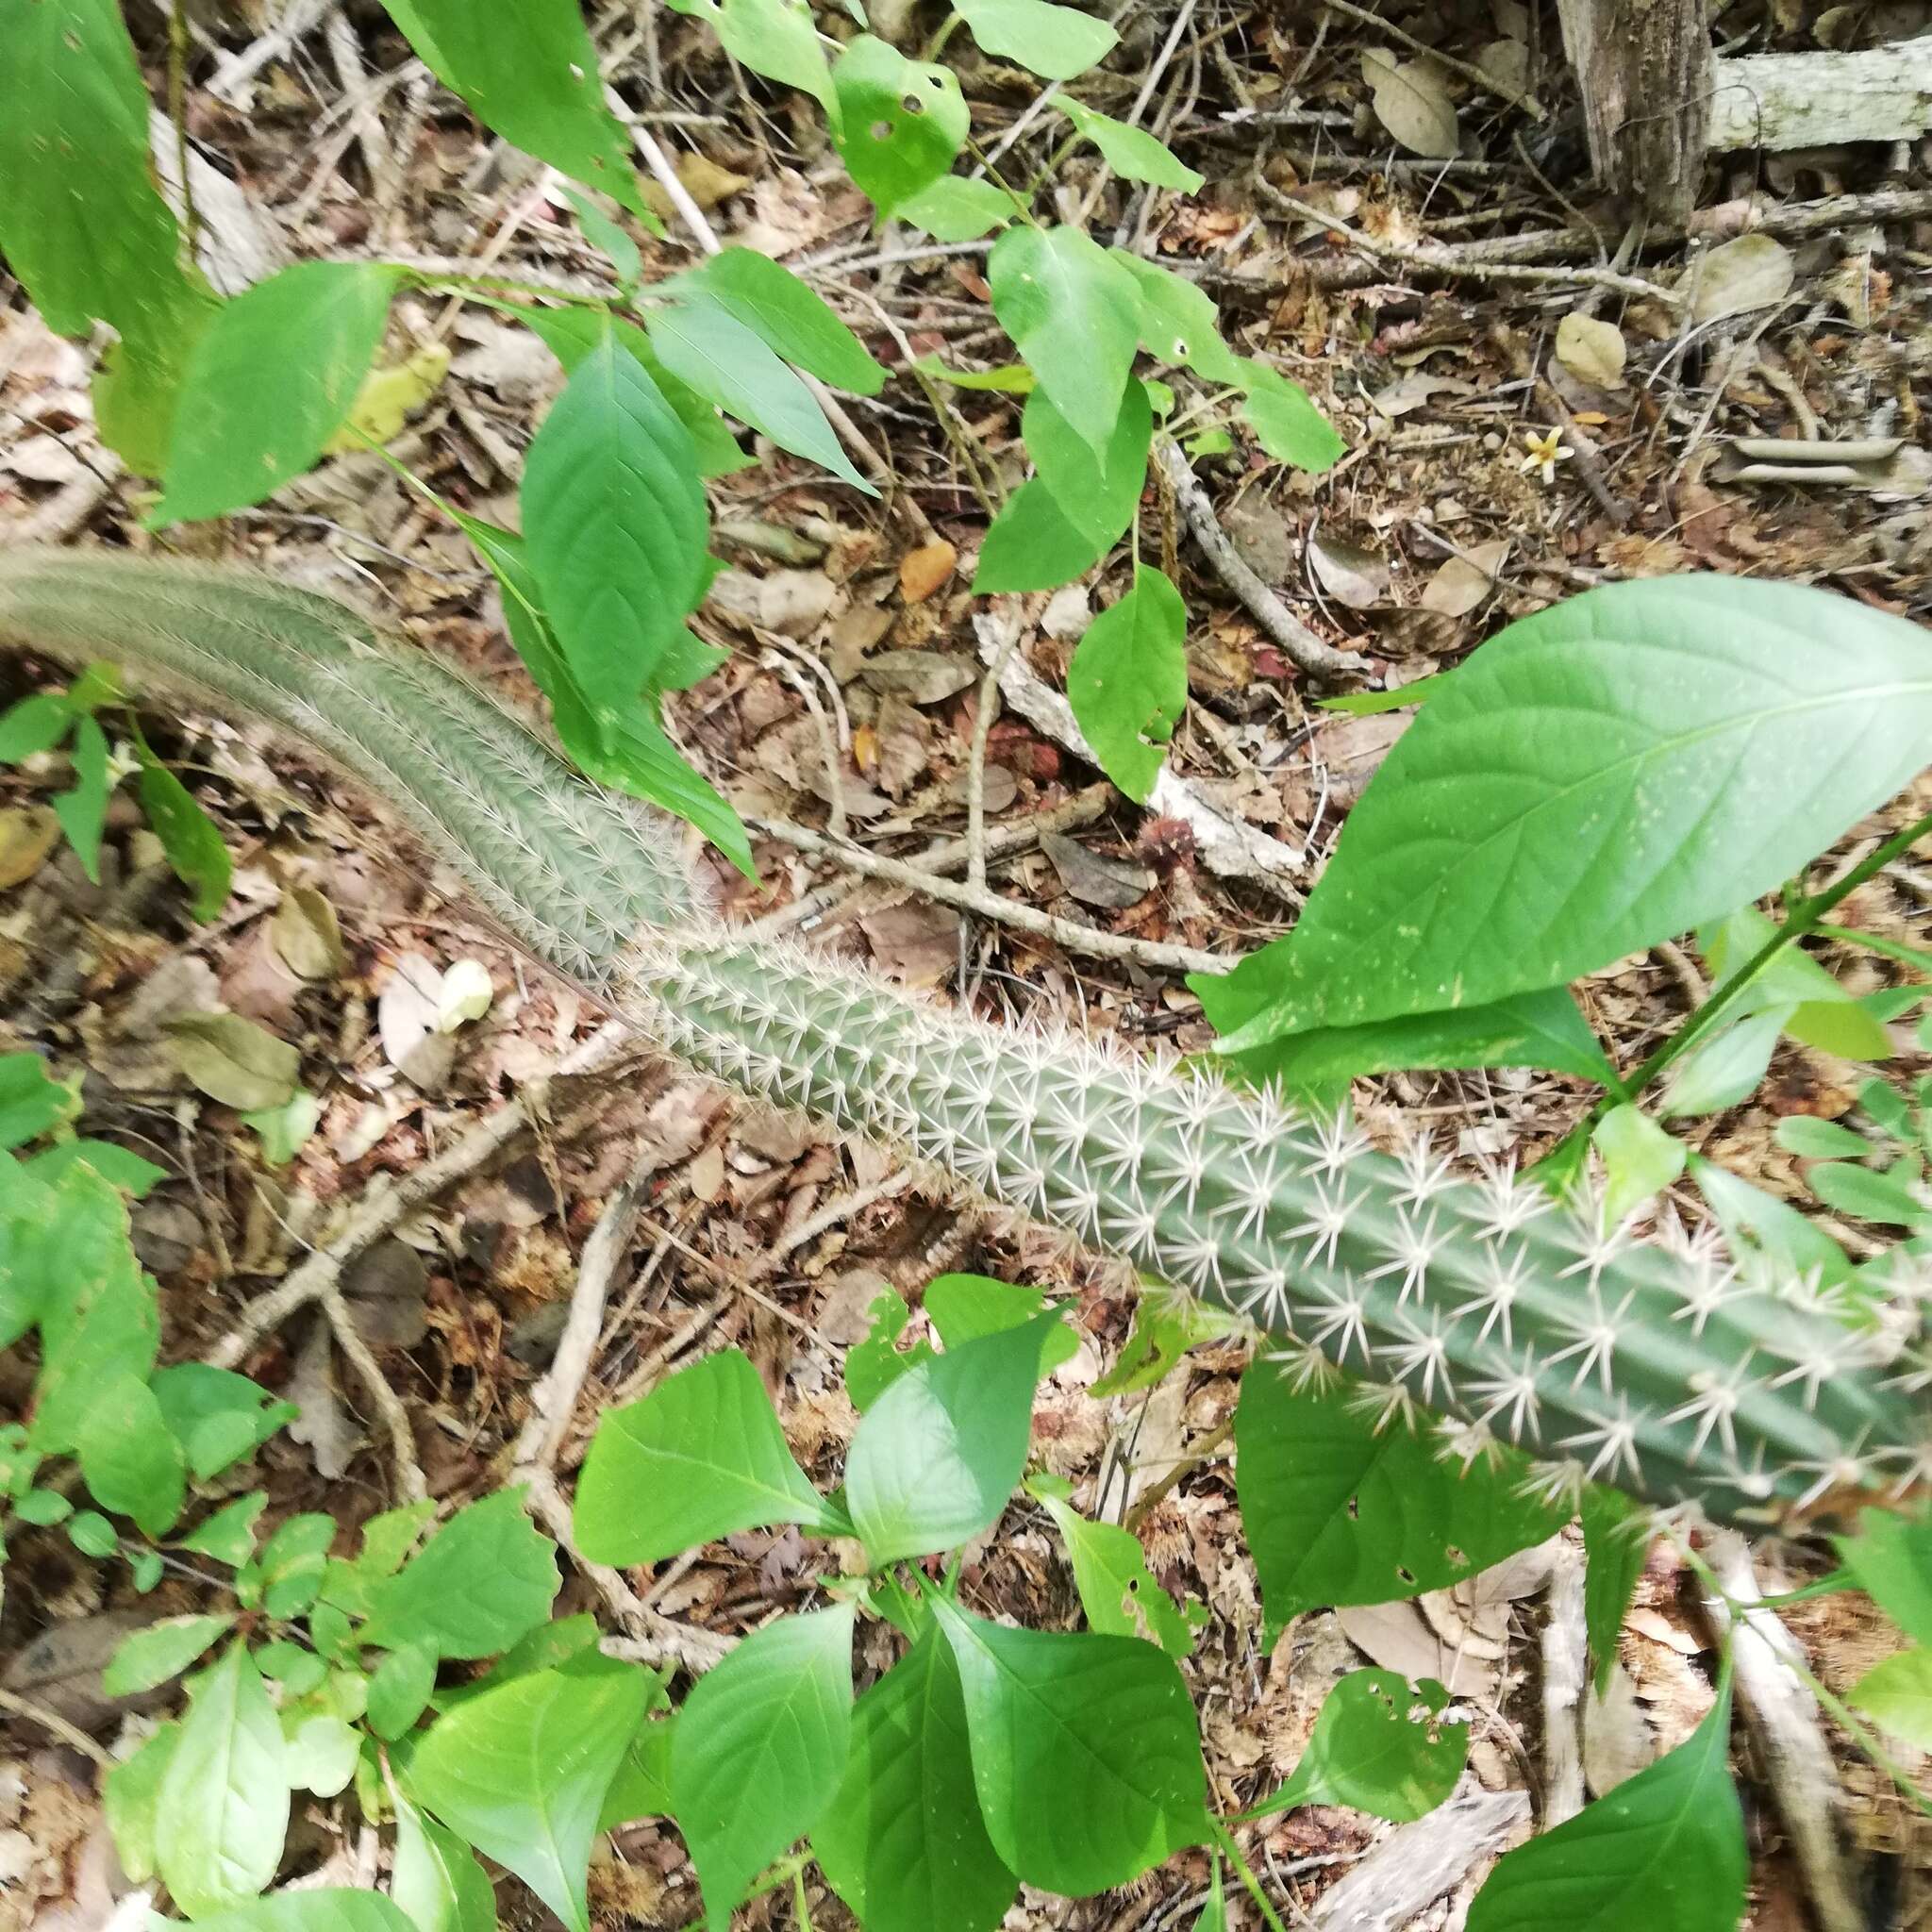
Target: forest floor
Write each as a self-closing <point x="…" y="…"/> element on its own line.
<point x="852" y="700"/>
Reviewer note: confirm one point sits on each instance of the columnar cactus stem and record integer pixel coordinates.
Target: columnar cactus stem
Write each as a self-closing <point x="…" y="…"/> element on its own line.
<point x="1649" y="1364"/>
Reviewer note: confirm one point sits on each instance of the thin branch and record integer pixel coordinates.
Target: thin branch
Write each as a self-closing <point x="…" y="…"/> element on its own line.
<point x="56" y="1727"/>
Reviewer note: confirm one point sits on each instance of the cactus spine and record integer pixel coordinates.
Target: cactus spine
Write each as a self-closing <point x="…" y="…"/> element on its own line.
<point x="1649" y="1364"/>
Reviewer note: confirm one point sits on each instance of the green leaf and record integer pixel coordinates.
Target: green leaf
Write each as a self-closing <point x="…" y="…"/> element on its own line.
<point x="957" y="208"/>
<point x="32" y="1102"/>
<point x="728" y="364"/>
<point x="1898" y="1694"/>
<point x="1031" y="547"/>
<point x="521" y="1772"/>
<point x="1056" y="42"/>
<point x="284" y="1130"/>
<point x="132" y="1465"/>
<point x="1131" y="151"/>
<point x="273" y="380"/>
<point x="1076" y="1727"/>
<point x="700" y="1456"/>
<point x="641" y="1788"/>
<point x="1614" y="1546"/>
<point x="1372" y="704"/>
<point x="217" y="1416"/>
<point x="229" y="1535"/>
<point x="1340" y="1513"/>
<point x="548" y="1648"/>
<point x="131" y="1796"/>
<point x="90" y="1532"/>
<point x="936" y="1456"/>
<point x="873" y="1365"/>
<point x="325" y="1909"/>
<point x="1214" y="1913"/>
<point x="116" y="1165"/>
<point x="1727" y="1068"/>
<point x="163" y="1650"/>
<point x="438" y="1881"/>
<point x="1530" y="1029"/>
<point x="1286" y="422"/>
<point x="1764" y="1232"/>
<point x="1815" y="1139"/>
<point x="1179" y="323"/>
<point x="399" y="1690"/>
<point x="610" y="240"/>
<point x="1098" y="492"/>
<point x="615" y="519"/>
<point x="83" y="810"/>
<point x="787" y="315"/>
<point x="477" y="1584"/>
<point x="296" y="1669"/>
<point x="43" y="1508"/>
<point x="1128" y="681"/>
<point x="188" y="836"/>
<point x="1891" y="1200"/>
<point x="139" y="379"/>
<point x="225" y="1799"/>
<point x="529" y="73"/>
<point x="968" y="1307"/>
<point x="290" y="1565"/>
<point x="1891" y="1558"/>
<point x="112" y="1328"/>
<point x="902" y="1843"/>
<point x="777" y="39"/>
<point x="322" y="1750"/>
<point x="1118" y="1592"/>
<point x="81" y="221"/>
<point x="1632" y="752"/>
<point x="901" y="123"/>
<point x="36" y="724"/>
<point x="1665" y="1848"/>
<point x="759" y="1750"/>
<point x="1165" y="1327"/>
<point x="1008" y="378"/>
<point x="1379" y="1745"/>
<point x="1076" y="314"/>
<point x="1639" y="1159"/>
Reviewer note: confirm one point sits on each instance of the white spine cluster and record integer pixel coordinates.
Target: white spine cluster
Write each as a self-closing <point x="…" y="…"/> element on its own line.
<point x="1652" y="1364"/>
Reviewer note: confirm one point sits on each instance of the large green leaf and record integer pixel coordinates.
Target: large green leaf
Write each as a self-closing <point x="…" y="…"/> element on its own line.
<point x="478" y="1584"/>
<point x="326" y="1910"/>
<point x="271" y="380"/>
<point x="936" y="1456"/>
<point x="788" y="315"/>
<point x="1891" y="1558"/>
<point x="1179" y="322"/>
<point x="965" y="1307"/>
<point x="1096" y="490"/>
<point x="701" y="1456"/>
<point x="901" y="122"/>
<point x="778" y="39"/>
<point x="114" y="1331"/>
<point x="438" y="1881"/>
<point x="1898" y="1694"/>
<point x="957" y="207"/>
<point x="224" y="1802"/>
<point x="616" y="524"/>
<point x="1121" y="1595"/>
<point x="902" y="1843"/>
<point x="531" y="73"/>
<point x="1076" y="314"/>
<point x="1614" y="1547"/>
<point x="1340" y="1513"/>
<point x="133" y="1466"/>
<point x="1379" y="1745"/>
<point x="759" y="1750"/>
<point x="131" y="1795"/>
<point x="729" y="364"/>
<point x="1055" y="41"/>
<point x="521" y="1772"/>
<point x="1664" y="1850"/>
<point x="1615" y="770"/>
<point x="1085" y="1751"/>
<point x="217" y="1416"/>
<point x="1285" y="420"/>
<point x="1030" y="545"/>
<point x="1128" y="681"/>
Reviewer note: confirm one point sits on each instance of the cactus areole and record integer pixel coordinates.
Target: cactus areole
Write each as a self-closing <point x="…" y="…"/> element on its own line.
<point x="1482" y="1309"/>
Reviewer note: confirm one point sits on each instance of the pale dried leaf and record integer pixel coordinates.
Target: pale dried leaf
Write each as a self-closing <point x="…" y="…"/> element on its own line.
<point x="324" y="1425"/>
<point x="1753" y="272"/>
<point x="1617" y="1739"/>
<point x="1093" y="880"/>
<point x="1410" y="102"/>
<point x="1463" y="582"/>
<point x="306" y="936"/>
<point x="1507" y="65"/>
<point x="233" y="1060"/>
<point x="27" y="835"/>
<point x="1349" y="574"/>
<point x="924" y="676"/>
<point x="1590" y="350"/>
<point x="1396" y="1637"/>
<point x="465" y="995"/>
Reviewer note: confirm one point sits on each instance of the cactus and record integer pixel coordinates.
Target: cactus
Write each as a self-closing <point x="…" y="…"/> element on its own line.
<point x="1651" y="1364"/>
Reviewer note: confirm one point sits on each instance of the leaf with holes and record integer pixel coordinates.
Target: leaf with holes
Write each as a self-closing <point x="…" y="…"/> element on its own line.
<point x="1073" y="1726"/>
<point x="1076" y="314"/>
<point x="529" y="73"/>
<point x="1653" y="753"/>
<point x="1179" y="323"/>
<point x="1665" y="1848"/>
<point x="901" y="123"/>
<point x="701" y="1456"/>
<point x="902" y="1841"/>
<point x="727" y="364"/>
<point x="1128" y="681"/>
<point x="1056" y="42"/>
<point x="521" y="1771"/>
<point x="273" y="380"/>
<point x="616" y="524"/>
<point x="759" y="1750"/>
<point x="1118" y="1592"/>
<point x="1338" y="1512"/>
<point x="1379" y="1745"/>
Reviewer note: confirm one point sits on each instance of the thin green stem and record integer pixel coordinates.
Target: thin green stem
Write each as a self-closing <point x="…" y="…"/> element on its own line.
<point x="1917" y="958"/>
<point x="1245" y="1873"/>
<point x="1022" y="204"/>
<point x="947" y="28"/>
<point x="1051" y="166"/>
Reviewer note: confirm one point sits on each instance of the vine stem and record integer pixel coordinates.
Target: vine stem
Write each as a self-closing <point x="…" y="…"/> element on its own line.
<point x="1245" y="1873"/>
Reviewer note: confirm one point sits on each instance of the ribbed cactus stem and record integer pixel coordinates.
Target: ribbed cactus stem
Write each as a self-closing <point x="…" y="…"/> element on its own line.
<point x="1650" y="1364"/>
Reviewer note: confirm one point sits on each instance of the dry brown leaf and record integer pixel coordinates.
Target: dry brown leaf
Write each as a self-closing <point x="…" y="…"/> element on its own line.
<point x="307" y="937"/>
<point x="1093" y="880"/>
<point x="1617" y="1741"/>
<point x="1349" y="574"/>
<point x="1464" y="581"/>
<point x="925" y="677"/>
<point x="1507" y="65"/>
<point x="234" y="1061"/>
<point x="1590" y="350"/>
<point x="1411" y="103"/>
<point x="923" y="570"/>
<point x="1396" y="1637"/>
<point x="27" y="835"/>
<point x="1753" y="272"/>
